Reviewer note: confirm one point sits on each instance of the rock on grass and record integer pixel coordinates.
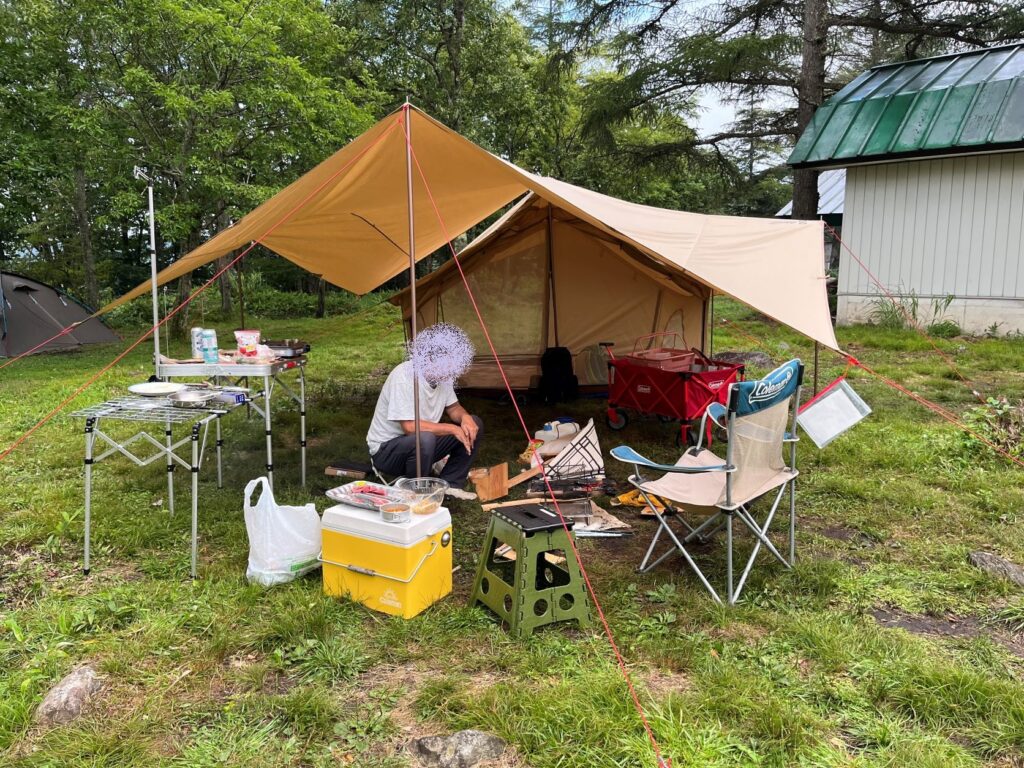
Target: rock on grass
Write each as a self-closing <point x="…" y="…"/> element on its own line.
<point x="68" y="698"/>
<point x="463" y="749"/>
<point x="998" y="567"/>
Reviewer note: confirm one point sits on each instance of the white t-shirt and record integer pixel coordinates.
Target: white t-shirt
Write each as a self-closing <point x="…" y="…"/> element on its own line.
<point x="395" y="404"/>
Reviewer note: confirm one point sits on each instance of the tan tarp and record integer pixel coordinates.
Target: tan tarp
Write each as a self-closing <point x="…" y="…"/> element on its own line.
<point x="347" y="220"/>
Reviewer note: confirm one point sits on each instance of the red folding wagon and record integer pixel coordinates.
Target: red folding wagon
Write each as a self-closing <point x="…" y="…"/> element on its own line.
<point x="670" y="382"/>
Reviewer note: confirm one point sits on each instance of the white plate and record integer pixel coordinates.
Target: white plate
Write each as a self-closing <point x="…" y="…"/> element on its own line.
<point x="156" y="388"/>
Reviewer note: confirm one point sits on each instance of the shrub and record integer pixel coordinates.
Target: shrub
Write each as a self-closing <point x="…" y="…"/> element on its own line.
<point x="1000" y="422"/>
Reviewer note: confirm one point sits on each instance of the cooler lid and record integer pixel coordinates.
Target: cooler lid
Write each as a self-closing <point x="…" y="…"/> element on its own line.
<point x="368" y="524"/>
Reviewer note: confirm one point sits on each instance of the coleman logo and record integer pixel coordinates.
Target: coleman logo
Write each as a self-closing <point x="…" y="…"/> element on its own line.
<point x="390" y="598"/>
<point x="643" y="389"/>
<point x="715" y="385"/>
<point x="766" y="389"/>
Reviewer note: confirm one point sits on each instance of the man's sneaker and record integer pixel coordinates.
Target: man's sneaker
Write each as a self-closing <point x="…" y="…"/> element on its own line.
<point x="458" y="493"/>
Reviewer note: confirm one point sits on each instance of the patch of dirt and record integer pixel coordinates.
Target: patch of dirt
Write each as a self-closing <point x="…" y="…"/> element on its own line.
<point x="946" y="626"/>
<point x="410" y="678"/>
<point x="662" y="682"/>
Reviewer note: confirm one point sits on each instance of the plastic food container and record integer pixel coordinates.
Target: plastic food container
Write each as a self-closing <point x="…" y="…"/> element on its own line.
<point x="248" y="341"/>
<point x="427" y="493"/>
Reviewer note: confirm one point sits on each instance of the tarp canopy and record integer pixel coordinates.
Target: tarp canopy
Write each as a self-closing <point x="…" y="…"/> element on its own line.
<point x="347" y="221"/>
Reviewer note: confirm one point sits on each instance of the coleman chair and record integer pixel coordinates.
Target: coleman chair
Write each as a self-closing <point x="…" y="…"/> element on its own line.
<point x="759" y="419"/>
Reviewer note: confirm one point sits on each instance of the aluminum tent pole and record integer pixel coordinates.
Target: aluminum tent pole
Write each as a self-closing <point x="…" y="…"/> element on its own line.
<point x="412" y="283"/>
<point x="140" y="174"/>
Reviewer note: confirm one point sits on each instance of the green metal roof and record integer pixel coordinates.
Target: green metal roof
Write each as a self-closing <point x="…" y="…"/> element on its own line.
<point x="955" y="104"/>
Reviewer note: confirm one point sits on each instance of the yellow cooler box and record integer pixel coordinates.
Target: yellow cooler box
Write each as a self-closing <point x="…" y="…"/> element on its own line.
<point x="396" y="568"/>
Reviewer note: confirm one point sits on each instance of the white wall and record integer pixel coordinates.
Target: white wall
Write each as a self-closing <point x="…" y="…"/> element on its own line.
<point x="938" y="227"/>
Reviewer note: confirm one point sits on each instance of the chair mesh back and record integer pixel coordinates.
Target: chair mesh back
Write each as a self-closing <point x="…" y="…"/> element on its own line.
<point x="756" y="442"/>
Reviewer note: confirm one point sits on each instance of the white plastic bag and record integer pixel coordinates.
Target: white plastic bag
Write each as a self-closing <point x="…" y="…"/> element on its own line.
<point x="284" y="542"/>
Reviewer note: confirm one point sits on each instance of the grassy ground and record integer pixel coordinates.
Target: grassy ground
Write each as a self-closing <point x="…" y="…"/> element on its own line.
<point x="883" y="648"/>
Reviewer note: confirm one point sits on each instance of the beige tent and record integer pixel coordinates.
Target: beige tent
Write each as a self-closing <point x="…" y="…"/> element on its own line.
<point x="347" y="220"/>
<point x="544" y="277"/>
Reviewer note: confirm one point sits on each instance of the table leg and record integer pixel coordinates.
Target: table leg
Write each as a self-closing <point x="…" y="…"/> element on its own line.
<point x="170" y="468"/>
<point x="268" y="388"/>
<point x="302" y="424"/>
<point x="90" y="438"/>
<point x="220" y="444"/>
<point x="195" y="496"/>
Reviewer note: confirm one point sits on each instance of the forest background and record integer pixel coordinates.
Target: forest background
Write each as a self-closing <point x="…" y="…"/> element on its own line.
<point x="224" y="102"/>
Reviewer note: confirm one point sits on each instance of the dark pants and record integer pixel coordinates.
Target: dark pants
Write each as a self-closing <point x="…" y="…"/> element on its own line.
<point x="398" y="456"/>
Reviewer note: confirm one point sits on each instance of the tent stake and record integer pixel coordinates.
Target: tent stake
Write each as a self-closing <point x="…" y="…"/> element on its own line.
<point x="412" y="284"/>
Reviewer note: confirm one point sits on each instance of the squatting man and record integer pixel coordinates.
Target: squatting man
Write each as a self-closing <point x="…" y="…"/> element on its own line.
<point x="438" y="356"/>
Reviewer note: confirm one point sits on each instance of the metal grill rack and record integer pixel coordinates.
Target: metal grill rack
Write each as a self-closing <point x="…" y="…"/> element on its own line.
<point x="144" y="411"/>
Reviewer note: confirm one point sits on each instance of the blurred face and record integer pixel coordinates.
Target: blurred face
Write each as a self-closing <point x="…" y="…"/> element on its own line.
<point x="441" y="353"/>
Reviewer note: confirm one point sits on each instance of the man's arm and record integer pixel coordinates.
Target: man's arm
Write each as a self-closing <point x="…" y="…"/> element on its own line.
<point x="457" y="430"/>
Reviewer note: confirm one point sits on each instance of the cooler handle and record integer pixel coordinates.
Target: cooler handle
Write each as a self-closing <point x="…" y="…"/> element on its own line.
<point x="371" y="572"/>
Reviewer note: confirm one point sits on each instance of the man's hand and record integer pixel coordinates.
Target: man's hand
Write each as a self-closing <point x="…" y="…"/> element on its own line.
<point x="469" y="429"/>
<point x="459" y="432"/>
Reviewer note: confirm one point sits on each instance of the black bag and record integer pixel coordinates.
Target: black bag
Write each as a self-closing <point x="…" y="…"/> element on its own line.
<point x="557" y="381"/>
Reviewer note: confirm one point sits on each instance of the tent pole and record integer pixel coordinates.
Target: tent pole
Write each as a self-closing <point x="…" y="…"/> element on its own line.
<point x="412" y="283"/>
<point x="816" y="346"/>
<point x="139" y="174"/>
<point x="551" y="277"/>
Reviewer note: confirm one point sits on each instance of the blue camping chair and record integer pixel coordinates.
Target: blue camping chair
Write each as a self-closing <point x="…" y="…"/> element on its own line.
<point x="760" y="420"/>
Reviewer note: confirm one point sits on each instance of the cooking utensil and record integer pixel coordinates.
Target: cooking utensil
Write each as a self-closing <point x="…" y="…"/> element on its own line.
<point x="191" y="398"/>
<point x="156" y="388"/>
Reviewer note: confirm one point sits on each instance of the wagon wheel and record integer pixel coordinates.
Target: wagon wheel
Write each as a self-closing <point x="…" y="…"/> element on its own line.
<point x="692" y="435"/>
<point x="616" y="418"/>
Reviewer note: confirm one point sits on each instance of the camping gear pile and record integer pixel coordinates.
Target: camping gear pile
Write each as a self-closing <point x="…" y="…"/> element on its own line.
<point x="666" y="381"/>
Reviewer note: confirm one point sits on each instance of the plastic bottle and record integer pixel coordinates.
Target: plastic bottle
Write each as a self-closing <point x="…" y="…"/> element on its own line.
<point x="210" y="351"/>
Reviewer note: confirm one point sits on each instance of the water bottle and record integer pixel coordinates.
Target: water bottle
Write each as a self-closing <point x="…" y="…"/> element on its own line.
<point x="210" y="356"/>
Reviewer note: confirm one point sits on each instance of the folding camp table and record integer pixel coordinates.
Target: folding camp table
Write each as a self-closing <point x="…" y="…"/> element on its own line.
<point x="152" y="411"/>
<point x="271" y="375"/>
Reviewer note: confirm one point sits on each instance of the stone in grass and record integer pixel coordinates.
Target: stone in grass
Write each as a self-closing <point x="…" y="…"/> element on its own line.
<point x="759" y="359"/>
<point x="460" y="750"/>
<point x="68" y="698"/>
<point x="998" y="567"/>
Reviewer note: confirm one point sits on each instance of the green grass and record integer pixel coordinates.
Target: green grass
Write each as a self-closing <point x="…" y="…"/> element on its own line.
<point x="217" y="672"/>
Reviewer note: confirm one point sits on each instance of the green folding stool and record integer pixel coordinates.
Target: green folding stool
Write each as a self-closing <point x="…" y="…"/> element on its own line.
<point x="530" y="591"/>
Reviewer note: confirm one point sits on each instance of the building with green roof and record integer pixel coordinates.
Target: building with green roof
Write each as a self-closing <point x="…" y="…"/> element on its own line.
<point x="934" y="197"/>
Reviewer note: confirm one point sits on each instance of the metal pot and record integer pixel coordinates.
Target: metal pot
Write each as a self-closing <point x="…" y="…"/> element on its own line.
<point x="191" y="398"/>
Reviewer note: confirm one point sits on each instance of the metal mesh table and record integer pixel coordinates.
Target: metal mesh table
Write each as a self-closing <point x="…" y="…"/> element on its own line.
<point x="152" y="411"/>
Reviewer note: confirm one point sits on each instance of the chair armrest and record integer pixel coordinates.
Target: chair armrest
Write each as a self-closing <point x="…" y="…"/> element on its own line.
<point x="627" y="455"/>
<point x="716" y="412"/>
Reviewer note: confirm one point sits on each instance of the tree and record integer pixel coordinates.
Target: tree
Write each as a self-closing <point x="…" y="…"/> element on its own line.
<point x="789" y="55"/>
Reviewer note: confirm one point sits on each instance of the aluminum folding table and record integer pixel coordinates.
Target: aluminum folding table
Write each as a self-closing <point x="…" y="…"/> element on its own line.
<point x="152" y="411"/>
<point x="271" y="374"/>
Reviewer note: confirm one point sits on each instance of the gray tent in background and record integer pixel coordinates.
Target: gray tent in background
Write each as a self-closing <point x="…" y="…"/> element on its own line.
<point x="31" y="312"/>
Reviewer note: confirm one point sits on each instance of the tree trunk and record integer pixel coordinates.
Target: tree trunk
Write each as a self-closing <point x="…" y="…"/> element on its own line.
<point x="81" y="210"/>
<point x="321" y="298"/>
<point x="810" y="95"/>
<point x="224" y="282"/>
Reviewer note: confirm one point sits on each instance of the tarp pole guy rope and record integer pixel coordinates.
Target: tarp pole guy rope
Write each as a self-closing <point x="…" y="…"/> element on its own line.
<point x="95" y="377"/>
<point x="912" y="322"/>
<point x="661" y="762"/>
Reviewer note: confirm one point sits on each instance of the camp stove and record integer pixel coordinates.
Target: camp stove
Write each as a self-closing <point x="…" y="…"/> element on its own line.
<point x="288" y="348"/>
